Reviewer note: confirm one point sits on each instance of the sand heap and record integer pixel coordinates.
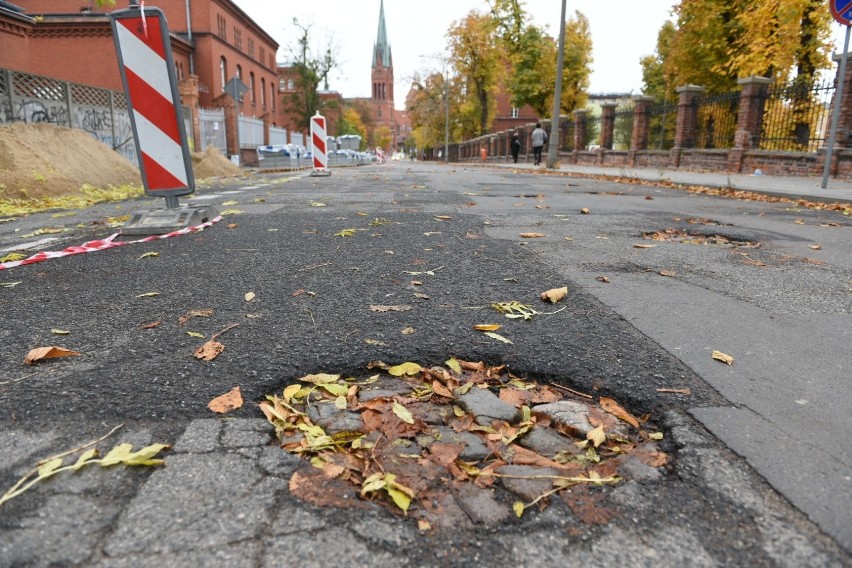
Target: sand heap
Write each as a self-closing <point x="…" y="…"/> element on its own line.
<point x="211" y="163"/>
<point x="42" y="160"/>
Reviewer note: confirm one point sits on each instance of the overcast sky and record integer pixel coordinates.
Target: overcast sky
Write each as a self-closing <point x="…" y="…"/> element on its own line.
<point x="622" y="32"/>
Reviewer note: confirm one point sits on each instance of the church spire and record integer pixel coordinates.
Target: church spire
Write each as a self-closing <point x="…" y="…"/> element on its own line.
<point x="381" y="49"/>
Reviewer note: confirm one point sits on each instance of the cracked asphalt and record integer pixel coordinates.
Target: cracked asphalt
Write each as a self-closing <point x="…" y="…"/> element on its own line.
<point x="760" y="450"/>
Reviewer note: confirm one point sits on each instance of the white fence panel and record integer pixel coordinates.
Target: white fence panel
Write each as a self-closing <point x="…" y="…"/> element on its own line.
<point x="298" y="139"/>
<point x="251" y="132"/>
<point x="212" y="126"/>
<point x="277" y="136"/>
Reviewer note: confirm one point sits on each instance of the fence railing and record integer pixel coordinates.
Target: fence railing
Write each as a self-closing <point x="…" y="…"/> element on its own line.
<point x="211" y="123"/>
<point x="662" y="125"/>
<point x="796" y="116"/>
<point x="715" y="121"/>
<point x="593" y="131"/>
<point x="250" y="131"/>
<point x="277" y="136"/>
<point x="623" y="130"/>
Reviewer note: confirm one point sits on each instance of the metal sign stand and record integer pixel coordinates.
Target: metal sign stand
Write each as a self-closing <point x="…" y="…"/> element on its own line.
<point x="150" y="85"/>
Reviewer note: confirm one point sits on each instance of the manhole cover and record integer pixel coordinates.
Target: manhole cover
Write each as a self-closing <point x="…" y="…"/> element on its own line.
<point x="425" y="442"/>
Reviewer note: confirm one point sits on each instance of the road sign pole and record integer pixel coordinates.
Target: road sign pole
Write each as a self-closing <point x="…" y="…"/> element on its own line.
<point x="835" y="115"/>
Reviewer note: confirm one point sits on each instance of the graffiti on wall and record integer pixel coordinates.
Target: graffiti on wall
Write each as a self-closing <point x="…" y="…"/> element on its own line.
<point x="111" y="128"/>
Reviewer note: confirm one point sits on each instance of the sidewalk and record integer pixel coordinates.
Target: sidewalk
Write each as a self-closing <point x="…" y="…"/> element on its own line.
<point x="793" y="187"/>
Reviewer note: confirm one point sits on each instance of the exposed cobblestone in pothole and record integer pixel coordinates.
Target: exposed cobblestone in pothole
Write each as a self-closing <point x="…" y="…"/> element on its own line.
<point x="462" y="444"/>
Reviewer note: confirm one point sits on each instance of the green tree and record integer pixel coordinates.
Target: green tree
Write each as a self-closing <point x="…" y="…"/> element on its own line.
<point x="351" y="123"/>
<point x="426" y="109"/>
<point x="311" y="69"/>
<point x="653" y="66"/>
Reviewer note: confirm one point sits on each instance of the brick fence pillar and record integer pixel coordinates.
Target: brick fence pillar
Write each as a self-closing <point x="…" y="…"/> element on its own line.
<point x="232" y="133"/>
<point x="687" y="120"/>
<point x="188" y="90"/>
<point x="607" y="125"/>
<point x="641" y="127"/>
<point x="580" y="129"/>
<point x="749" y="118"/>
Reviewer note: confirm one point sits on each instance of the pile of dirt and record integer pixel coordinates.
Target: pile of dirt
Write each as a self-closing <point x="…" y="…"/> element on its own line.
<point x="211" y="163"/>
<point x="42" y="160"/>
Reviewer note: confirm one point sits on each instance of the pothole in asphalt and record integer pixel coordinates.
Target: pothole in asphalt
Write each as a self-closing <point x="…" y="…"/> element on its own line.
<point x="700" y="237"/>
<point x="459" y="443"/>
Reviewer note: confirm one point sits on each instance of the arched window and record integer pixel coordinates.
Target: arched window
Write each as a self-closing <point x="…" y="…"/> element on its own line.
<point x="272" y="94"/>
<point x="263" y="92"/>
<point x="223" y="71"/>
<point x="240" y="72"/>
<point x="253" y="90"/>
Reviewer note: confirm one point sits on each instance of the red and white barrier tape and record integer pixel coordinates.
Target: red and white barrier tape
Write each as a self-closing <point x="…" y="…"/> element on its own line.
<point x="103" y="244"/>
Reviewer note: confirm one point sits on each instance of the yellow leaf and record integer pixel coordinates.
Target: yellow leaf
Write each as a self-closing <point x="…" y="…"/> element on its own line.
<point x="148" y="255"/>
<point x="319" y="378"/>
<point x="530" y="235"/>
<point x="554" y="294"/>
<point x="227" y="212"/>
<point x="656" y="435"/>
<point x="487" y="327"/>
<point x="334" y="388"/>
<point x="148" y="295"/>
<point x="498" y="337"/>
<point x="229" y="203"/>
<point x="141" y="457"/>
<point x="458" y="411"/>
<point x="317" y="204"/>
<point x="60" y="332"/>
<point x="640" y="246"/>
<point x="249" y="296"/>
<point x="454" y="365"/>
<point x="12" y="257"/>
<point x="597" y="436"/>
<point x="423" y="525"/>
<point x="340" y="402"/>
<point x="291" y="391"/>
<point x="345" y="233"/>
<point x="518" y="507"/>
<point x="85" y="457"/>
<point x="400" y="498"/>
<point x="48" y="467"/>
<point x="719" y="356"/>
<point x="403" y="413"/>
<point x="195" y="334"/>
<point x="406" y="368"/>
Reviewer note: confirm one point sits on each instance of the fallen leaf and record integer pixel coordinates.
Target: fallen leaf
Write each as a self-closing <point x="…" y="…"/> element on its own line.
<point x="148" y="295"/>
<point x="403" y="413"/>
<point x="318" y="204"/>
<point x="209" y="350"/>
<point x="423" y="525"/>
<point x="656" y="435"/>
<point x="799" y="221"/>
<point x="227" y="212"/>
<point x="597" y="436"/>
<point x="319" y="378"/>
<point x="676" y="391"/>
<point x="441" y="390"/>
<point x="616" y="410"/>
<point x="443" y="218"/>
<point x="249" y="296"/>
<point x="603" y="279"/>
<point x="229" y="203"/>
<point x="9" y="284"/>
<point x="719" y="356"/>
<point x="195" y="334"/>
<point x="454" y="365"/>
<point x="518" y="508"/>
<point x="554" y="294"/>
<point x="60" y="332"/>
<point x="148" y="255"/>
<point x="151" y="325"/>
<point x="530" y="235"/>
<point x="39" y="353"/>
<point x="584" y="210"/>
<point x="669" y="273"/>
<point x="641" y="246"/>
<point x="486" y="327"/>
<point x="406" y="368"/>
<point x="407" y="331"/>
<point x="232" y="225"/>
<point x="231" y="400"/>
<point x="12" y="257"/>
<point x="815" y="247"/>
<point x="345" y="233"/>
<point x="377" y="308"/>
<point x="498" y="337"/>
<point x="194" y="314"/>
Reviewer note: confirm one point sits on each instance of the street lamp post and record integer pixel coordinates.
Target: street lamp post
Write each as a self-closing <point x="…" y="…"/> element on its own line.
<point x="557" y="95"/>
<point x="446" y="119"/>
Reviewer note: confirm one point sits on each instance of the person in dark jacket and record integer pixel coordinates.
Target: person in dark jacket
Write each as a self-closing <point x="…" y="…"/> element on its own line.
<point x="515" y="146"/>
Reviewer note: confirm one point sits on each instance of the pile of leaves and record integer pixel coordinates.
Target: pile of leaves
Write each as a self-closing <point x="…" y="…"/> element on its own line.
<point x="393" y="438"/>
<point x="693" y="238"/>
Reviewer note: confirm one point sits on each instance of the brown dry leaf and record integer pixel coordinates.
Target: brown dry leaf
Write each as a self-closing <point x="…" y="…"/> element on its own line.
<point x="377" y="308"/>
<point x="603" y="279"/>
<point x="588" y="507"/>
<point x="669" y="273"/>
<point x="815" y="247"/>
<point x="530" y="235"/>
<point x="554" y="294"/>
<point x="151" y="325"/>
<point x="313" y="486"/>
<point x="616" y="410"/>
<point x="816" y="261"/>
<point x="39" y="353"/>
<point x="445" y="454"/>
<point x="441" y="390"/>
<point x="231" y="400"/>
<point x="642" y="246"/>
<point x="799" y="221"/>
<point x="584" y="210"/>
<point x="232" y="225"/>
<point x="194" y="314"/>
<point x="676" y="391"/>
<point x="514" y="397"/>
<point x="719" y="356"/>
<point x="487" y="326"/>
<point x="209" y="350"/>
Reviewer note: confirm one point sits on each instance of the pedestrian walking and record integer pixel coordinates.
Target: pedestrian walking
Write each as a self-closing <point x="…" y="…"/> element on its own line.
<point x="539" y="138"/>
<point x="516" y="146"/>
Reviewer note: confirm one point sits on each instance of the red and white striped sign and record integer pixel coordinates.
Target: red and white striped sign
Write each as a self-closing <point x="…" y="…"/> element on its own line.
<point x="318" y="142"/>
<point x="150" y="84"/>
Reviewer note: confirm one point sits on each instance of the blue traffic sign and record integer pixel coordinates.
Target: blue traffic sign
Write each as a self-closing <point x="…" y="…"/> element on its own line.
<point x="841" y="10"/>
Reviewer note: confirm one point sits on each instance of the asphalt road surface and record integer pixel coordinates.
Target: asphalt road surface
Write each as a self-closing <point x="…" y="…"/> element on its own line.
<point x="760" y="469"/>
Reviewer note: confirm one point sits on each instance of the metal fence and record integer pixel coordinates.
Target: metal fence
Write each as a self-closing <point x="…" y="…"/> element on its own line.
<point x="662" y="124"/>
<point x="250" y="132"/>
<point x="38" y="99"/>
<point x="623" y="132"/>
<point x="593" y="132"/>
<point x="567" y="136"/>
<point x="212" y="126"/>
<point x="716" y="121"/>
<point x="297" y="138"/>
<point x="277" y="136"/>
<point x="796" y="116"/>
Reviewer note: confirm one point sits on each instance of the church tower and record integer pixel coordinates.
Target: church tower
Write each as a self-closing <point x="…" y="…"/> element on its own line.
<point x="382" y="77"/>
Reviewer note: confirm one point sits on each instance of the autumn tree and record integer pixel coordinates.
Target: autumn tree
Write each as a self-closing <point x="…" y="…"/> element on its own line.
<point x="351" y="123"/>
<point x="311" y="68"/>
<point x="426" y="108"/>
<point x="476" y="62"/>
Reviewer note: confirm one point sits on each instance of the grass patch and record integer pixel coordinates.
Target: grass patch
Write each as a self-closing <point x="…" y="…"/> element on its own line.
<point x="90" y="196"/>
